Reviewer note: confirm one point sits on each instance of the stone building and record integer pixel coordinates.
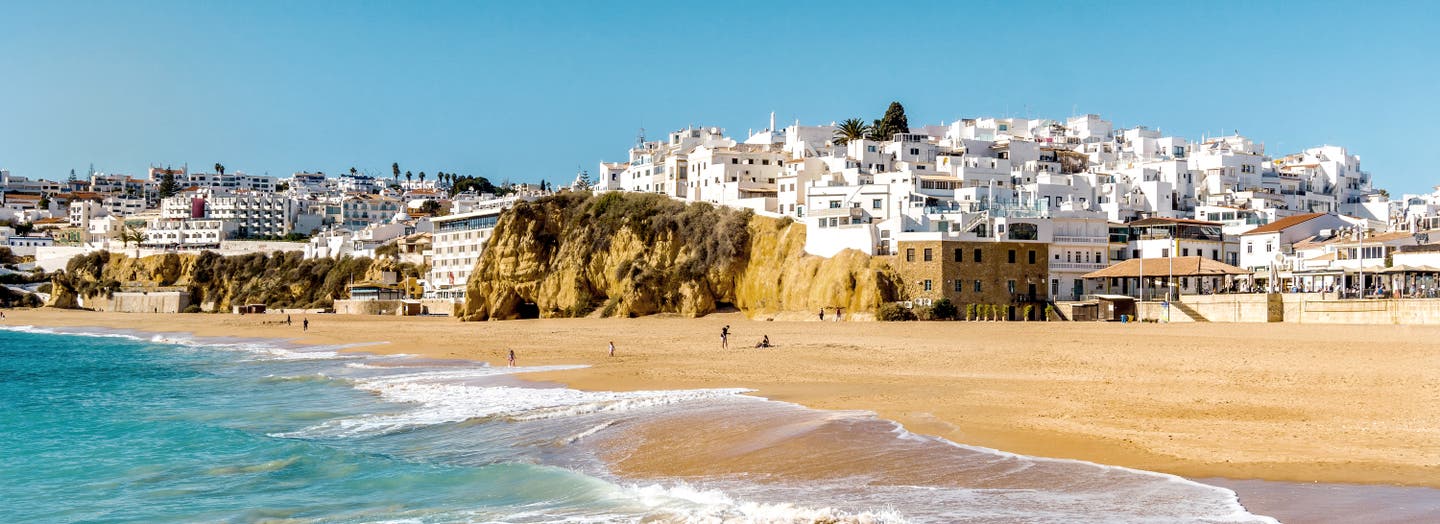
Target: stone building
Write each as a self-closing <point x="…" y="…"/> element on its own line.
<point x="976" y="272"/>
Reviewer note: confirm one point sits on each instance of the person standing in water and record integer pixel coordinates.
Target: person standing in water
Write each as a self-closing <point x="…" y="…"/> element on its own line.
<point x="612" y="348"/>
<point x="512" y="358"/>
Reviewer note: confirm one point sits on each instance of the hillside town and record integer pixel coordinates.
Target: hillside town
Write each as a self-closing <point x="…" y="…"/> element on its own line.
<point x="1015" y="210"/>
<point x="1010" y="211"/>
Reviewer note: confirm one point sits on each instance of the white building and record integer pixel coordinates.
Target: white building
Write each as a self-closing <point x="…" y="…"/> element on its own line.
<point x="456" y="244"/>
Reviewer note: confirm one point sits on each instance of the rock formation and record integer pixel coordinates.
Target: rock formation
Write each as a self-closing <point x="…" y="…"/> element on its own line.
<point x="633" y="254"/>
<point x="280" y="280"/>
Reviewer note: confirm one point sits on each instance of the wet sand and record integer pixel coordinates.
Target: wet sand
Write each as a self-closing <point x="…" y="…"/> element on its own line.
<point x="1303" y="403"/>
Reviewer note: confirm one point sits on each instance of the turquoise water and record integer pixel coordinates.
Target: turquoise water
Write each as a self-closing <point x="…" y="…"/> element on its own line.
<point x="111" y="429"/>
<point x="99" y="426"/>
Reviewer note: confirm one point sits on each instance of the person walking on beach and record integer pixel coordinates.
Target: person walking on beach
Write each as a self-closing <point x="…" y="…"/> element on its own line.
<point x="305" y="324"/>
<point x="822" y="314"/>
<point x="512" y="358"/>
<point x="725" y="337"/>
<point x="612" y="348"/>
<point x="287" y="320"/>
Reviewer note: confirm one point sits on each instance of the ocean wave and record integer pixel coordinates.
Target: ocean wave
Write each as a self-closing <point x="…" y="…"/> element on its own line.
<point x="691" y="504"/>
<point x="439" y="398"/>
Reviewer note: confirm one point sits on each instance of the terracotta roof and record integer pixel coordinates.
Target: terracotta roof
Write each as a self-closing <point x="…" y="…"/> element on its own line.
<point x="1178" y="266"/>
<point x="1284" y="223"/>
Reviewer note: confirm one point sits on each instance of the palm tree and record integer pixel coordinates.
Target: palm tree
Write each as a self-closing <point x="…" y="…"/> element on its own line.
<point x="422" y="178"/>
<point x="129" y="234"/>
<point x="408" y="177"/>
<point x="395" y="169"/>
<point x="851" y="129"/>
<point x="220" y="168"/>
<point x="352" y="171"/>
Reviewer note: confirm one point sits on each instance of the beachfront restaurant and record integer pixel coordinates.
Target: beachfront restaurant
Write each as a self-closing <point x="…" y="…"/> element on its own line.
<point x="1149" y="278"/>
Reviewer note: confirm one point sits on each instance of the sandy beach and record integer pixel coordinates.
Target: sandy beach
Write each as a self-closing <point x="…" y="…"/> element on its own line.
<point x="1325" y="403"/>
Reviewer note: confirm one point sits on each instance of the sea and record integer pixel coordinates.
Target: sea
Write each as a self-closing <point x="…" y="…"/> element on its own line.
<point x="118" y="426"/>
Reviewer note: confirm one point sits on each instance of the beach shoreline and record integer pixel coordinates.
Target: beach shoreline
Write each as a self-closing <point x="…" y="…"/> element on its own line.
<point x="1266" y="402"/>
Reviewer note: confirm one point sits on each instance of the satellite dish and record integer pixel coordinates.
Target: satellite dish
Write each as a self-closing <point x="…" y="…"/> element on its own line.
<point x="1279" y="258"/>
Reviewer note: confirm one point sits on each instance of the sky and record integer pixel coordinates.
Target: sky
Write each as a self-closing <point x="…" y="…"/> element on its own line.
<point x="525" y="91"/>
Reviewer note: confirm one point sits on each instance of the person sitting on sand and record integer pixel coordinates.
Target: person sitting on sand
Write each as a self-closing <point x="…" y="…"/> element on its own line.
<point x="764" y="343"/>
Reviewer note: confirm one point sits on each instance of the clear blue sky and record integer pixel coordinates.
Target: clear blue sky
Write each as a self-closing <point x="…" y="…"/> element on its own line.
<point x="530" y="90"/>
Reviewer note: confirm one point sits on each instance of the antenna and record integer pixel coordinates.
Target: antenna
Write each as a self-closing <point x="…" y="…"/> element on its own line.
<point x="640" y="138"/>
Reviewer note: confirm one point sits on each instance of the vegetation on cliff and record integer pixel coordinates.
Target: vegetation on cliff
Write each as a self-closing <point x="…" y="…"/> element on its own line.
<point x="632" y="254"/>
<point x="279" y="280"/>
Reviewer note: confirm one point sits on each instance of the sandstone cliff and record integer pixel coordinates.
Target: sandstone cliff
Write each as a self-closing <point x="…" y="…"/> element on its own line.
<point x="631" y="254"/>
<point x="281" y="280"/>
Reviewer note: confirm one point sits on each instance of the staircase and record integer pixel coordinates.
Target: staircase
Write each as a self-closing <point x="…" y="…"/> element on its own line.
<point x="1188" y="311"/>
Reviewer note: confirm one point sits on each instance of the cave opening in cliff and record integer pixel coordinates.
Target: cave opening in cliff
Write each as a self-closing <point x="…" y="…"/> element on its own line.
<point x="726" y="307"/>
<point x="528" y="310"/>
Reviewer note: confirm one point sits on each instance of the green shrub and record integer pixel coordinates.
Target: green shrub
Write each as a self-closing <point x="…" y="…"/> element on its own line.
<point x="192" y="308"/>
<point x="1050" y="312"/>
<point x="894" y="313"/>
<point x="1025" y="315"/>
<point x="943" y="309"/>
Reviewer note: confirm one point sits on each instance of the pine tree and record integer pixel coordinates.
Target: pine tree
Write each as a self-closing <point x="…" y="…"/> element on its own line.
<point x="167" y="183"/>
<point x="893" y="122"/>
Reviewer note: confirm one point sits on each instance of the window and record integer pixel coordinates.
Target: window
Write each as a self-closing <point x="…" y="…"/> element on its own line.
<point x="1012" y="256"/>
<point x="977" y="286"/>
<point x="1010" y="287"/>
<point x="834" y="204"/>
<point x="959" y="257"/>
<point x="1249" y="248"/>
<point x="1185" y="252"/>
<point x="1165" y="252"/>
<point x="927" y="284"/>
<point x="909" y="254"/>
<point x="977" y="261"/>
<point x="1269" y="246"/>
<point x="915" y="151"/>
<point x="734" y="161"/>
<point x="870" y="149"/>
<point x="959" y="286"/>
<point x="750" y="161"/>
<point x="875" y="204"/>
<point x="1032" y="256"/>
<point x="927" y="255"/>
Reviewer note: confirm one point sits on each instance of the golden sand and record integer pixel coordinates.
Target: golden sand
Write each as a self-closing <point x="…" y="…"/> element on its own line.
<point x="1329" y="403"/>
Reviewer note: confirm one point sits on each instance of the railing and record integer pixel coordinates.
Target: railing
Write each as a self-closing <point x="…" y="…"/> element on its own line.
<point x="1081" y="240"/>
<point x="1090" y="266"/>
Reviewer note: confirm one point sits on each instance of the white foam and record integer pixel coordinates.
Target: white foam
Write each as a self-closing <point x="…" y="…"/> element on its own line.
<point x="707" y="505"/>
<point x="440" y="398"/>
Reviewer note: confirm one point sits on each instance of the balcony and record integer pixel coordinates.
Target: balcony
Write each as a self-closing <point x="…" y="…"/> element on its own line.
<point x="1081" y="240"/>
<point x="1078" y="266"/>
